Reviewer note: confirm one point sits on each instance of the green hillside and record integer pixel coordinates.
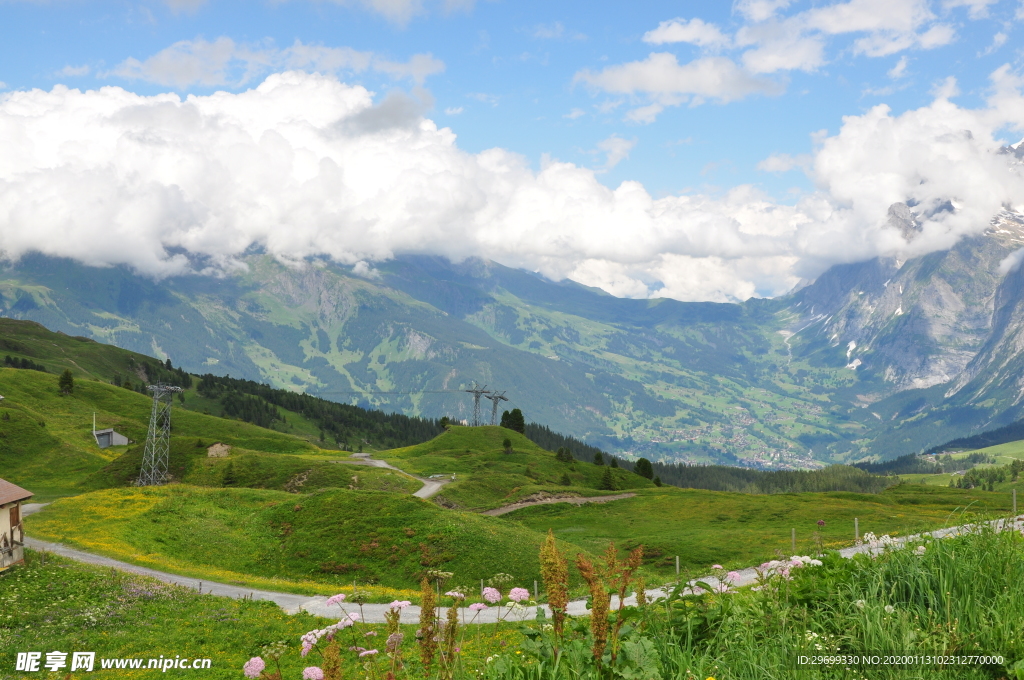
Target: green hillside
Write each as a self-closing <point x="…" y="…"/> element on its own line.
<point x="46" y="441"/>
<point x="738" y="530"/>
<point x="255" y="536"/>
<point x="488" y="477"/>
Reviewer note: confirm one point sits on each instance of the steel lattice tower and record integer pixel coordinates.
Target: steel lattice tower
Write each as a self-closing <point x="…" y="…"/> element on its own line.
<point x="156" y="459"/>
<point x="476" y="391"/>
<point x="496" y="398"/>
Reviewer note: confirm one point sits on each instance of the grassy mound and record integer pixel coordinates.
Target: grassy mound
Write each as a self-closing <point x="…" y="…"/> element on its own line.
<point x="738" y="530"/>
<point x="328" y="537"/>
<point x="190" y="463"/>
<point x="488" y="477"/>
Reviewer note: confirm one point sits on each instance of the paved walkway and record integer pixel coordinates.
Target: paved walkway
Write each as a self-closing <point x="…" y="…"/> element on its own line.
<point x="430" y="485"/>
<point x="374" y="613"/>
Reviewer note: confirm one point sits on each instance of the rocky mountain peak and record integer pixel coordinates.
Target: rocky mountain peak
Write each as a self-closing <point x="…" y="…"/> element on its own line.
<point x="902" y="218"/>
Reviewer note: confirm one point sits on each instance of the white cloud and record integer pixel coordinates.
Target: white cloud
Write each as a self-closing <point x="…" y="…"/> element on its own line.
<point x="74" y="71"/>
<point x="759" y="10"/>
<point x="548" y="31"/>
<point x="670" y="83"/>
<point x="694" y="31"/>
<point x="185" y="5"/>
<point x="900" y="69"/>
<point x="616" y="150"/>
<point x="305" y="165"/>
<point x="977" y="9"/>
<point x="784" y="162"/>
<point x="453" y="110"/>
<point x="223" y="62"/>
<point x="3" y="85"/>
<point x="574" y="114"/>
<point x="780" y="47"/>
<point x="998" y="40"/>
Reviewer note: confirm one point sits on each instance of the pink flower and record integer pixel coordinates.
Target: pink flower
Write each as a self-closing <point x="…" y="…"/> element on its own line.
<point x="312" y="673"/>
<point x="368" y="652"/>
<point x="519" y="594"/>
<point x="716" y="566"/>
<point x="492" y="595"/>
<point x="307" y="647"/>
<point x="253" y="667"/>
<point x="335" y="599"/>
<point x="399" y="604"/>
<point x="354" y="616"/>
<point x="732" y="576"/>
<point x="456" y="594"/>
<point x="821" y="522"/>
<point x="477" y="606"/>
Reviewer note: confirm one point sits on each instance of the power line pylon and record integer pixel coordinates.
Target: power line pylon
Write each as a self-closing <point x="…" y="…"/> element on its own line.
<point x="157" y="457"/>
<point x="496" y="398"/>
<point x="477" y="391"/>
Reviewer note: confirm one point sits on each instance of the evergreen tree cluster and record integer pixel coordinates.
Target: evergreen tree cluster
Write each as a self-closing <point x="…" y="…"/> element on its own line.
<point x="27" y="364"/>
<point x="1009" y="433"/>
<point x="513" y="420"/>
<point x="344" y="423"/>
<point x="913" y="464"/>
<point x="544" y="437"/>
<point x="724" y="478"/>
<point x="987" y="478"/>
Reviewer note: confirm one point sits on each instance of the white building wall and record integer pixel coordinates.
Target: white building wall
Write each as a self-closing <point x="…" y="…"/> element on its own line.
<point x="14" y="553"/>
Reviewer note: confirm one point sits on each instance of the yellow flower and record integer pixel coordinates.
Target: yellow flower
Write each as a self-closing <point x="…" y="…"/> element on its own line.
<point x="710" y="678"/>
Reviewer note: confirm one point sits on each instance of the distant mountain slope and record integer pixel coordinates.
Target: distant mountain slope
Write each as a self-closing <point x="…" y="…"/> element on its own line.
<point x="879" y="359"/>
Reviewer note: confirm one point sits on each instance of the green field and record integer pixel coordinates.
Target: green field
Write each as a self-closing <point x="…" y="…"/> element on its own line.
<point x="1004" y="454"/>
<point x="739" y="530"/>
<point x="277" y="540"/>
<point x="488" y="477"/>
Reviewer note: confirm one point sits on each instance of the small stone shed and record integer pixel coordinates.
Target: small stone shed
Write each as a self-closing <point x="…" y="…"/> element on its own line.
<point x="12" y="536"/>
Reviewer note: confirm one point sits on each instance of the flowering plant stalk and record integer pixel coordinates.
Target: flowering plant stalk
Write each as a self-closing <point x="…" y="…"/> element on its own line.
<point x="449" y="639"/>
<point x="427" y="633"/>
<point x="554" y="569"/>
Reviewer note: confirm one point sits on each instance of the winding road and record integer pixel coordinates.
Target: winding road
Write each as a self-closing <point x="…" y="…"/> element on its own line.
<point x="430" y="486"/>
<point x="374" y="613"/>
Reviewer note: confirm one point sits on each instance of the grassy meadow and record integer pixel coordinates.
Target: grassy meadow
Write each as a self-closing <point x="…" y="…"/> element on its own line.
<point x="315" y="542"/>
<point x="488" y="477"/>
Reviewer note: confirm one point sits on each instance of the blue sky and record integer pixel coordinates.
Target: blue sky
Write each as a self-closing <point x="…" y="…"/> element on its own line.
<point x="691" y="100"/>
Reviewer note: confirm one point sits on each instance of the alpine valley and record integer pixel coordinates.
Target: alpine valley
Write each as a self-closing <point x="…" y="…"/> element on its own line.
<point x="874" y="359"/>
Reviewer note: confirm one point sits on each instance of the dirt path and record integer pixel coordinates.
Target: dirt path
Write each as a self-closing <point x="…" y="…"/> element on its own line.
<point x="575" y="500"/>
<point x="430" y="486"/>
<point x="374" y="613"/>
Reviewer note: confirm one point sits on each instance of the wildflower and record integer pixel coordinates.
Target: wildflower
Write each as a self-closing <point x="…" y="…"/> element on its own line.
<point x="732" y="576"/>
<point x="394" y="642"/>
<point x="492" y="595"/>
<point x="399" y="604"/>
<point x="369" y="633"/>
<point x="456" y="594"/>
<point x="477" y="606"/>
<point x="253" y="667"/>
<point x="920" y="550"/>
<point x="889" y="609"/>
<point x="716" y="566"/>
<point x="335" y="599"/>
<point x="368" y="652"/>
<point x="354" y="616"/>
<point x="821" y="522"/>
<point x="860" y="604"/>
<point x="312" y="673"/>
<point x="519" y="594"/>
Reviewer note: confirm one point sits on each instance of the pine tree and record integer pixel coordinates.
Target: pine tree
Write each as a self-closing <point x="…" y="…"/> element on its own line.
<point x="565" y="481"/>
<point x="598" y="459"/>
<point x="657" y="481"/>
<point x="513" y="420"/>
<point x="607" y="481"/>
<point x="66" y="382"/>
<point x="615" y="462"/>
<point x="644" y="468"/>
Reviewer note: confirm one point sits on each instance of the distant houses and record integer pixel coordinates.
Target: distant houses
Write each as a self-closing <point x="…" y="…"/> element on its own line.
<point x="12" y="536"/>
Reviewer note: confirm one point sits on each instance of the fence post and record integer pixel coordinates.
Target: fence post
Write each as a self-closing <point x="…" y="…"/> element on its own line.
<point x="677" y="565"/>
<point x="792" y="541"/>
<point x="1014" y="502"/>
<point x="535" y="593"/>
<point x="481" y="587"/>
<point x="856" y="529"/>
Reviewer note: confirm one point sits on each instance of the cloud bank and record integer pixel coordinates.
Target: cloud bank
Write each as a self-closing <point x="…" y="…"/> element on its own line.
<point x="306" y="165"/>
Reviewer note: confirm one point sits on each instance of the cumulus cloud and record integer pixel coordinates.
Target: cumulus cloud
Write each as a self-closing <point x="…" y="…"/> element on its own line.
<point x="401" y="12"/>
<point x="616" y="150"/>
<point x="305" y="165"/>
<point x="224" y="62"/>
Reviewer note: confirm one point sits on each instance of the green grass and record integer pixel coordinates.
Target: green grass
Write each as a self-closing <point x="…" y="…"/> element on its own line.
<point x="46" y="442"/>
<point x="52" y="603"/>
<point x="272" y="539"/>
<point x="487" y="477"/>
<point x="191" y="464"/>
<point x="740" y="530"/>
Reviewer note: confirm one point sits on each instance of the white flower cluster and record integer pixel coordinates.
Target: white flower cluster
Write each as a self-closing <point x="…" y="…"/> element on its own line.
<point x="784" y="567"/>
<point x="883" y="541"/>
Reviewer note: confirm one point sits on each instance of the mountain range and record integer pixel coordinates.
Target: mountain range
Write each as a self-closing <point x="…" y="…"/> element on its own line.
<point x="873" y="359"/>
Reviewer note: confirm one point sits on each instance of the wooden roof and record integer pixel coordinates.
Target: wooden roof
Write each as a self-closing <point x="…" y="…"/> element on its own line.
<point x="9" y="493"/>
